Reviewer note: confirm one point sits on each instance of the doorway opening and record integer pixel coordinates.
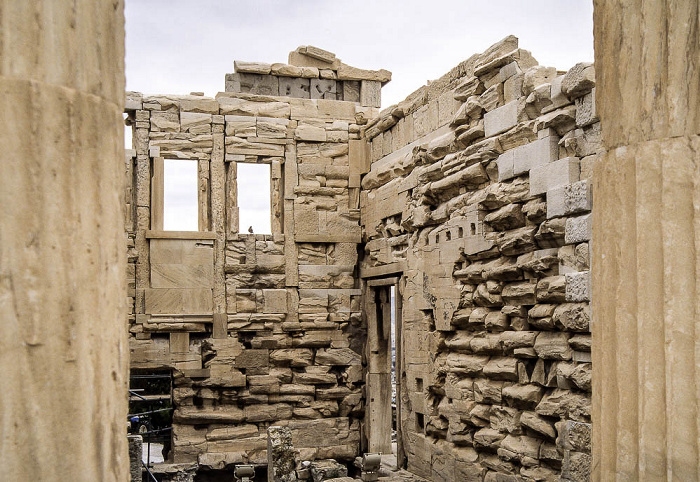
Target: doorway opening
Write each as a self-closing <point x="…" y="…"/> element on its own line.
<point x="385" y="367"/>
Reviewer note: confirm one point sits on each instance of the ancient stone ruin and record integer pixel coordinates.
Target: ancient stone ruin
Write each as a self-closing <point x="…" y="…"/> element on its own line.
<point x="462" y="214"/>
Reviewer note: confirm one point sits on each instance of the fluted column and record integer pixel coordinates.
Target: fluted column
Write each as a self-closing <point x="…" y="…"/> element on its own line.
<point x="63" y="349"/>
<point x="646" y="242"/>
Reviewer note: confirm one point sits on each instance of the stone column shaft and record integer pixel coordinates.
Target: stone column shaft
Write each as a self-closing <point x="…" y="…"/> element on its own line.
<point x="63" y="350"/>
<point x="646" y="242"/>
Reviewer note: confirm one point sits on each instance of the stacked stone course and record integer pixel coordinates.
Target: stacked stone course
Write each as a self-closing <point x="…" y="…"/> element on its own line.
<point x="479" y="192"/>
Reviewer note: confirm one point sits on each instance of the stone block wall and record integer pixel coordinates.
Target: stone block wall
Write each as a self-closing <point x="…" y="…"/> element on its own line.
<point x="259" y="329"/>
<point x="474" y="194"/>
<point x="479" y="196"/>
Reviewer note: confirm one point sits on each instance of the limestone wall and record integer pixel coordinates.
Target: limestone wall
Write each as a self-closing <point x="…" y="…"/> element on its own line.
<point x="259" y="329"/>
<point x="479" y="198"/>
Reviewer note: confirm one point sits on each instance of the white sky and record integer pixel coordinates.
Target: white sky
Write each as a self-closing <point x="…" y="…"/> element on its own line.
<point x="181" y="46"/>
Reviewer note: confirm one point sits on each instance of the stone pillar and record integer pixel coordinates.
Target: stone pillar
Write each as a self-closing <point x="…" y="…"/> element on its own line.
<point x="281" y="462"/>
<point x="646" y="242"/>
<point x="63" y="350"/>
<point x="135" y="457"/>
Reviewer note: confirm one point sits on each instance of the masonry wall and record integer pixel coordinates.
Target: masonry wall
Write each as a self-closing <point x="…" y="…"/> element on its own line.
<point x="478" y="197"/>
<point x="259" y="329"/>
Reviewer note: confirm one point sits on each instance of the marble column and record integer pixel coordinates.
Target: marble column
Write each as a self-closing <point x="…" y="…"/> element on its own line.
<point x="646" y="242"/>
<point x="63" y="336"/>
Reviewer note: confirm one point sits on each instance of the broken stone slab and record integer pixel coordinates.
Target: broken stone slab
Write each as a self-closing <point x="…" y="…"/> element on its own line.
<point x="322" y="470"/>
<point x="281" y="463"/>
<point x="346" y="72"/>
<point x="579" y="80"/>
<point x="286" y="70"/>
<point x="317" y="53"/>
<point x="251" y="67"/>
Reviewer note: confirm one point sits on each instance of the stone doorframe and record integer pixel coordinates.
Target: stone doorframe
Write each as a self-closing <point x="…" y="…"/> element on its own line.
<point x="378" y="416"/>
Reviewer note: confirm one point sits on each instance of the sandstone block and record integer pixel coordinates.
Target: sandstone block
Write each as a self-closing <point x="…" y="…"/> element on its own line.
<point x="557" y="97"/>
<point x="573" y="317"/>
<point x="536" y="76"/>
<point x="501" y="119"/>
<point x="554" y="174"/>
<point x="468" y="88"/>
<point x="469" y="365"/>
<point x="553" y="346"/>
<point x="539" y="424"/>
<point x="337" y="357"/>
<point x="502" y="368"/>
<point x="506" y="218"/>
<point x="522" y="396"/>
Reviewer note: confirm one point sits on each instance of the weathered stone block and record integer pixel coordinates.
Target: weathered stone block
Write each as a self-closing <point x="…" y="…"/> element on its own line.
<point x="323" y="89"/>
<point x="578" y="229"/>
<point x="554" y="174"/>
<point x="585" y="110"/>
<point x="578" y="286"/>
<point x="281" y="463"/>
<point x="579" y="80"/>
<point x="251" y="67"/>
<point x="553" y="346"/>
<point x="570" y="199"/>
<point x="536" y="153"/>
<point x="501" y="119"/>
<point x="295" y="87"/>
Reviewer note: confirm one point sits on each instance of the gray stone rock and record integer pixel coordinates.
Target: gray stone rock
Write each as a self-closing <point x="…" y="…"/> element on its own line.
<point x="322" y="470"/>
<point x="281" y="463"/>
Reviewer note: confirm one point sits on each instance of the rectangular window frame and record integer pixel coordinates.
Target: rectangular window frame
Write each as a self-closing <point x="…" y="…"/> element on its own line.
<point x="158" y="195"/>
<point x="276" y="194"/>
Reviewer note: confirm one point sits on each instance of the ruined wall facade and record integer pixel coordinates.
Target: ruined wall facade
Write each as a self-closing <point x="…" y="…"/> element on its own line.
<point x="258" y="328"/>
<point x="478" y="198"/>
<point x="472" y="198"/>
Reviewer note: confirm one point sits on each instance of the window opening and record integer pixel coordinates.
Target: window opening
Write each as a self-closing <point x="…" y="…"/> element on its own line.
<point x="460" y="232"/>
<point x="254" y="198"/>
<point x="180" y="201"/>
<point x="151" y="412"/>
<point x="420" y="423"/>
<point x="448" y="235"/>
<point x="473" y="228"/>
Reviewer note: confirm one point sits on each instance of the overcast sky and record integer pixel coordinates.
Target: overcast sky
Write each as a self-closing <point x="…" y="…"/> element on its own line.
<point x="181" y="46"/>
